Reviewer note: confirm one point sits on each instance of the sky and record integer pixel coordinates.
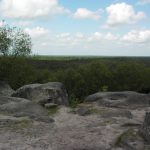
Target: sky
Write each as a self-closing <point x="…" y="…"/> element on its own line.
<point x="82" y="27"/>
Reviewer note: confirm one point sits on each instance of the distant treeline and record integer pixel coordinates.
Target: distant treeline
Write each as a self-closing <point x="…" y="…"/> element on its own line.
<point x="81" y="77"/>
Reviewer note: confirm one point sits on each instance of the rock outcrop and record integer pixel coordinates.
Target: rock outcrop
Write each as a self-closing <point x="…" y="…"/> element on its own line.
<point x="145" y="129"/>
<point x="125" y="99"/>
<point x="19" y="107"/>
<point x="5" y="89"/>
<point x="106" y="121"/>
<point x="52" y="92"/>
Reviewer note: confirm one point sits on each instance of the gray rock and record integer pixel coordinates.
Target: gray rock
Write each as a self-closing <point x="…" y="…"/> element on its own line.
<point x="145" y="129"/>
<point x="5" y="89"/>
<point x="19" y="107"/>
<point x="10" y="120"/>
<point x="117" y="113"/>
<point x="52" y="92"/>
<point x="83" y="111"/>
<point x="127" y="99"/>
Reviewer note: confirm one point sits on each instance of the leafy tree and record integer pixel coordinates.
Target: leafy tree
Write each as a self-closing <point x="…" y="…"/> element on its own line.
<point x="14" y="41"/>
<point x="5" y="40"/>
<point x="21" y="44"/>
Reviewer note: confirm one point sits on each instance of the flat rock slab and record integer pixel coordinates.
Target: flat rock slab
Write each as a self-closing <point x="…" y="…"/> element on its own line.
<point x="127" y="99"/>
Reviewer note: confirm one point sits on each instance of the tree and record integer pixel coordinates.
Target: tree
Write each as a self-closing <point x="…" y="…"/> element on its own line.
<point x="5" y="40"/>
<point x="21" y="44"/>
<point x="14" y="41"/>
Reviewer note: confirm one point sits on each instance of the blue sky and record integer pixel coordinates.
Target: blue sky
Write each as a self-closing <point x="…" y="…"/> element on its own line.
<point x="82" y="27"/>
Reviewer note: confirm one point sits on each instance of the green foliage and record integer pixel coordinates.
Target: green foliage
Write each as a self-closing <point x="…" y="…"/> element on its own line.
<point x="95" y="76"/>
<point x="21" y="44"/>
<point x="5" y="40"/>
<point x="73" y="101"/>
<point x="14" y="41"/>
<point x="81" y="78"/>
<point x="104" y="88"/>
<point x="18" y="72"/>
<point x="85" y="79"/>
<point x="130" y="76"/>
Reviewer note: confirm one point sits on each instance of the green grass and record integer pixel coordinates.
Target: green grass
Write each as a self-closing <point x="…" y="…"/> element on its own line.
<point x="52" y="111"/>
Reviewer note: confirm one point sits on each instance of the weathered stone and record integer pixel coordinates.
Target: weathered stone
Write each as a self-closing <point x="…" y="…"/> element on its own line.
<point x="83" y="111"/>
<point x="20" y="107"/>
<point x="125" y="99"/>
<point x="117" y="113"/>
<point x="10" y="120"/>
<point x="145" y="129"/>
<point x="52" y="92"/>
<point x="5" y="89"/>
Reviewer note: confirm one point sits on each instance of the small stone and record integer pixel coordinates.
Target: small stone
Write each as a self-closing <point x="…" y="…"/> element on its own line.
<point x="83" y="111"/>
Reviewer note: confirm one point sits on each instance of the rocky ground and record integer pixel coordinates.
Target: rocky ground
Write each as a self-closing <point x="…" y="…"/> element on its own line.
<point x="97" y="124"/>
<point x="71" y="131"/>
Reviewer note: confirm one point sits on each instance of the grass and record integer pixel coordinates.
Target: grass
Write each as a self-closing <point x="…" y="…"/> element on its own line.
<point x="19" y="125"/>
<point x="23" y="123"/>
<point x="52" y="110"/>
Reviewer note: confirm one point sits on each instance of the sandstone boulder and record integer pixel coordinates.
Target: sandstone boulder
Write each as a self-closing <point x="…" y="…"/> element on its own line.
<point x="5" y="89"/>
<point x="145" y="129"/>
<point x="19" y="107"/>
<point x="127" y="99"/>
<point x="52" y="92"/>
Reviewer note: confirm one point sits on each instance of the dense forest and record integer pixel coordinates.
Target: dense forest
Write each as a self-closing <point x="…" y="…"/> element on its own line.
<point x="81" y="77"/>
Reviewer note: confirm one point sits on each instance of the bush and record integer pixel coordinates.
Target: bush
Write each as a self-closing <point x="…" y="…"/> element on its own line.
<point x="18" y="72"/>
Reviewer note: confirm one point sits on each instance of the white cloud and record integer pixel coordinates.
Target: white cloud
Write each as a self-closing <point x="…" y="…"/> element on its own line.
<point x="97" y="36"/>
<point x="37" y="32"/>
<point x="109" y="36"/>
<point x="79" y="38"/>
<point x="135" y="36"/>
<point x="28" y="9"/>
<point x="45" y="42"/>
<point x="63" y="35"/>
<point x="79" y="35"/>
<point x="122" y="13"/>
<point x="84" y="13"/>
<point x="144" y="1"/>
<point x="22" y="23"/>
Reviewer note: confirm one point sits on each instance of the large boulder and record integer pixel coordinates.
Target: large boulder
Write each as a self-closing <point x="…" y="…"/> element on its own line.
<point x="127" y="99"/>
<point x="19" y="107"/>
<point x="52" y="92"/>
<point x="5" y="89"/>
<point x="145" y="129"/>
